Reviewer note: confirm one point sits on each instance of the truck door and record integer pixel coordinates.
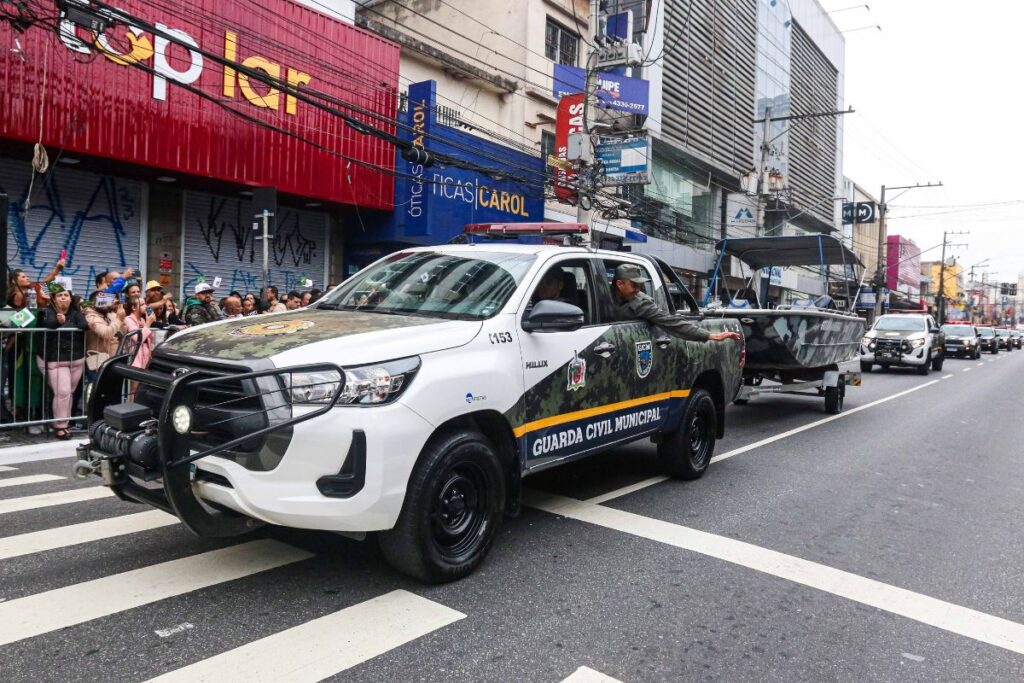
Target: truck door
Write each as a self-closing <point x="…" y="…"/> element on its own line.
<point x="568" y="375"/>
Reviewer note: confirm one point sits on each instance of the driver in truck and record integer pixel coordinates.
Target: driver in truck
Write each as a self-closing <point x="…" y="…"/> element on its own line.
<point x="633" y="303"/>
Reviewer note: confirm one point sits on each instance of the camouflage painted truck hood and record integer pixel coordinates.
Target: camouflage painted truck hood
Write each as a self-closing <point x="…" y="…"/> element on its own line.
<point x="308" y="336"/>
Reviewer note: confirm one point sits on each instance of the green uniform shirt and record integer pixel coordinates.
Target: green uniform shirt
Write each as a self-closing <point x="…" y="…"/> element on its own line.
<point x="643" y="307"/>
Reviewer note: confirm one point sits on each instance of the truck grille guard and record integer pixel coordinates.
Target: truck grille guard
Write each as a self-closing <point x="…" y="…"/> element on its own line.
<point x="271" y="403"/>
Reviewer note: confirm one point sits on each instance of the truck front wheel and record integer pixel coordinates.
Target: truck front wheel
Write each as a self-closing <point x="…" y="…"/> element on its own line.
<point x="686" y="452"/>
<point x="453" y="506"/>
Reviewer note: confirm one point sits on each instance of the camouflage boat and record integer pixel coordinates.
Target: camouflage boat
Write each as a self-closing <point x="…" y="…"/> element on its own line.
<point x="798" y="341"/>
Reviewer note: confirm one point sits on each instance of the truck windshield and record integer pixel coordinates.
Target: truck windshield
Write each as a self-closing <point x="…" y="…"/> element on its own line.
<point x="900" y="324"/>
<point x="958" y="330"/>
<point x="471" y="287"/>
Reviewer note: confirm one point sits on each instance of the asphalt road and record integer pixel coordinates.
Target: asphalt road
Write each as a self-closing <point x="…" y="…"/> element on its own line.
<point x="881" y="544"/>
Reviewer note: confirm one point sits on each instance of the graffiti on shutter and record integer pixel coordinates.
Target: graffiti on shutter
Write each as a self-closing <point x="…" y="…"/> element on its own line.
<point x="220" y="242"/>
<point x="96" y="218"/>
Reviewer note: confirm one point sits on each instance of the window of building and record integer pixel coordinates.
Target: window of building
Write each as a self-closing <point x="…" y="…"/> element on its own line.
<point x="560" y="44"/>
<point x="547" y="144"/>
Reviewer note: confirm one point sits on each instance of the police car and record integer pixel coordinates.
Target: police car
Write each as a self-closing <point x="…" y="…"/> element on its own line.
<point x="412" y="400"/>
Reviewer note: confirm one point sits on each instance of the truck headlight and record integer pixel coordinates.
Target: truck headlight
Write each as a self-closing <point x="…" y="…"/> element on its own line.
<point x="312" y="387"/>
<point x="364" y="385"/>
<point x="917" y="343"/>
<point x="378" y="383"/>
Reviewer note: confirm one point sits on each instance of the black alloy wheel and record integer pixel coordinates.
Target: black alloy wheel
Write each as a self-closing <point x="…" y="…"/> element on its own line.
<point x="686" y="452"/>
<point x="454" y="503"/>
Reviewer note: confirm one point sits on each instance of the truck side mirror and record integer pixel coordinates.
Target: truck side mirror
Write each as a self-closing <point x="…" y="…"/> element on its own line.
<point x="548" y="315"/>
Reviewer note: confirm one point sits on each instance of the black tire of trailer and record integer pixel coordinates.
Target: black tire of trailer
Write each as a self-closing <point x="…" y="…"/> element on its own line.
<point x="453" y="506"/>
<point x="686" y="452"/>
<point x="834" y="398"/>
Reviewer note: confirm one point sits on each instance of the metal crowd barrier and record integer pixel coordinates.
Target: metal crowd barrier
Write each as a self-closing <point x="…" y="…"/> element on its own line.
<point x="28" y="384"/>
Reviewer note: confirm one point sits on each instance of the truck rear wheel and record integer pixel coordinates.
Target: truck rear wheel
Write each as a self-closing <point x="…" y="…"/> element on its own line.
<point x="453" y="506"/>
<point x="686" y="452"/>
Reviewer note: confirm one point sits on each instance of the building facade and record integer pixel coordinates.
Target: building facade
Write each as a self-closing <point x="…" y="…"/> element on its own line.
<point x="155" y="143"/>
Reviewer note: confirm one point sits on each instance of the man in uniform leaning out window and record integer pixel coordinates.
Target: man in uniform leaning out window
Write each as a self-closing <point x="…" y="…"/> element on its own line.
<point x="631" y="303"/>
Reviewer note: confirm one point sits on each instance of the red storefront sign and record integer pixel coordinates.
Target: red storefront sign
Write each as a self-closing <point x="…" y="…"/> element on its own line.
<point x="94" y="101"/>
<point x="568" y="120"/>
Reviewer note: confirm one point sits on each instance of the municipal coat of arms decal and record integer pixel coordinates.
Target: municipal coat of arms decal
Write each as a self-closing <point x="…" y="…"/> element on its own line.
<point x="644" y="358"/>
<point x="577" y="373"/>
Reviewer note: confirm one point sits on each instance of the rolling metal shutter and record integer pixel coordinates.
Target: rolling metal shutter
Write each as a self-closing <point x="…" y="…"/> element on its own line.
<point x="709" y="79"/>
<point x="96" y="218"/>
<point x="220" y="242"/>
<point x="813" y="144"/>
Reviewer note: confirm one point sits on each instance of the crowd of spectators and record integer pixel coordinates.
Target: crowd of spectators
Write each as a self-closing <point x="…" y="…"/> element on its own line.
<point x="43" y="373"/>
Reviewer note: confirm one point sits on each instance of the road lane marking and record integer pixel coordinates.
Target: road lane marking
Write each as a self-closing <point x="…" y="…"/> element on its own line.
<point x="946" y="376"/>
<point x="36" y="451"/>
<point x="966" y="370"/>
<point x="957" y="619"/>
<point x="62" y="537"/>
<point x="81" y="602"/>
<point x="597" y="500"/>
<point x="58" y="498"/>
<point x="633" y="488"/>
<point x="585" y="674"/>
<point x="818" y="423"/>
<point x="28" y="479"/>
<point x="5" y="468"/>
<point x="326" y="646"/>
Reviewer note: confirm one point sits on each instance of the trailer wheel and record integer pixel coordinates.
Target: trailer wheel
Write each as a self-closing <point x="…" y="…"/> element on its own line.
<point x="686" y="452"/>
<point x="834" y="398"/>
<point x="452" y="509"/>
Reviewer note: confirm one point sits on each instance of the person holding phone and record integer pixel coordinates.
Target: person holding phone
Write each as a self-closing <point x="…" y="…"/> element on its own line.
<point x="137" y="319"/>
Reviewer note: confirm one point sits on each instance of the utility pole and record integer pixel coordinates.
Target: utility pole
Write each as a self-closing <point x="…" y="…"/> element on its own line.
<point x="882" y="210"/>
<point x="266" y="237"/>
<point x="585" y="177"/>
<point x="762" y="168"/>
<point x="940" y="295"/>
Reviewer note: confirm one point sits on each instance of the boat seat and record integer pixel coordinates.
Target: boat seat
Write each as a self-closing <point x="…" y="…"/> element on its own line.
<point x="739" y="303"/>
<point x="748" y="295"/>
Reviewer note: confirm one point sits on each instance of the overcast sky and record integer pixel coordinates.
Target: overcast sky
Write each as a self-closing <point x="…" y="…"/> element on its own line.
<point x="937" y="96"/>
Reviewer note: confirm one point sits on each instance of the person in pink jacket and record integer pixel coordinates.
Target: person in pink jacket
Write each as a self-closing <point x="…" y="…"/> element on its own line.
<point x="138" y="319"/>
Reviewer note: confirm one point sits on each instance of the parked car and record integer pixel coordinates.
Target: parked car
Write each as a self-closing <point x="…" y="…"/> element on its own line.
<point x="989" y="340"/>
<point x="962" y="340"/>
<point x="1003" y="337"/>
<point x="904" y="339"/>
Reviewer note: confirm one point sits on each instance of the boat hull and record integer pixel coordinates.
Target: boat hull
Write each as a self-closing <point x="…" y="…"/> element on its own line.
<point x="784" y="341"/>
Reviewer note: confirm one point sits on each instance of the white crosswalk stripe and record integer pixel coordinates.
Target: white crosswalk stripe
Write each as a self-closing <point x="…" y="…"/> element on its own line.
<point x="7" y="468"/>
<point x="326" y="646"/>
<point x="28" y="479"/>
<point x="57" y="498"/>
<point x="44" y="612"/>
<point x="585" y="674"/>
<point x="75" y="534"/>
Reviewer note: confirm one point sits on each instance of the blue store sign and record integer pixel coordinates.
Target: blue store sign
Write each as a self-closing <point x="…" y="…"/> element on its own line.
<point x="433" y="203"/>
<point x="613" y="91"/>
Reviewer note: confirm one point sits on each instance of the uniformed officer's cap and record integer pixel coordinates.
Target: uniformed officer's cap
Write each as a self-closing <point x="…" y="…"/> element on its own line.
<point x="628" y="271"/>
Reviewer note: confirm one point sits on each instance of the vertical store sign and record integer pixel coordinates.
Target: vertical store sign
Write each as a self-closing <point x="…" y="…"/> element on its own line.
<point x="568" y="120"/>
<point x="422" y="105"/>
